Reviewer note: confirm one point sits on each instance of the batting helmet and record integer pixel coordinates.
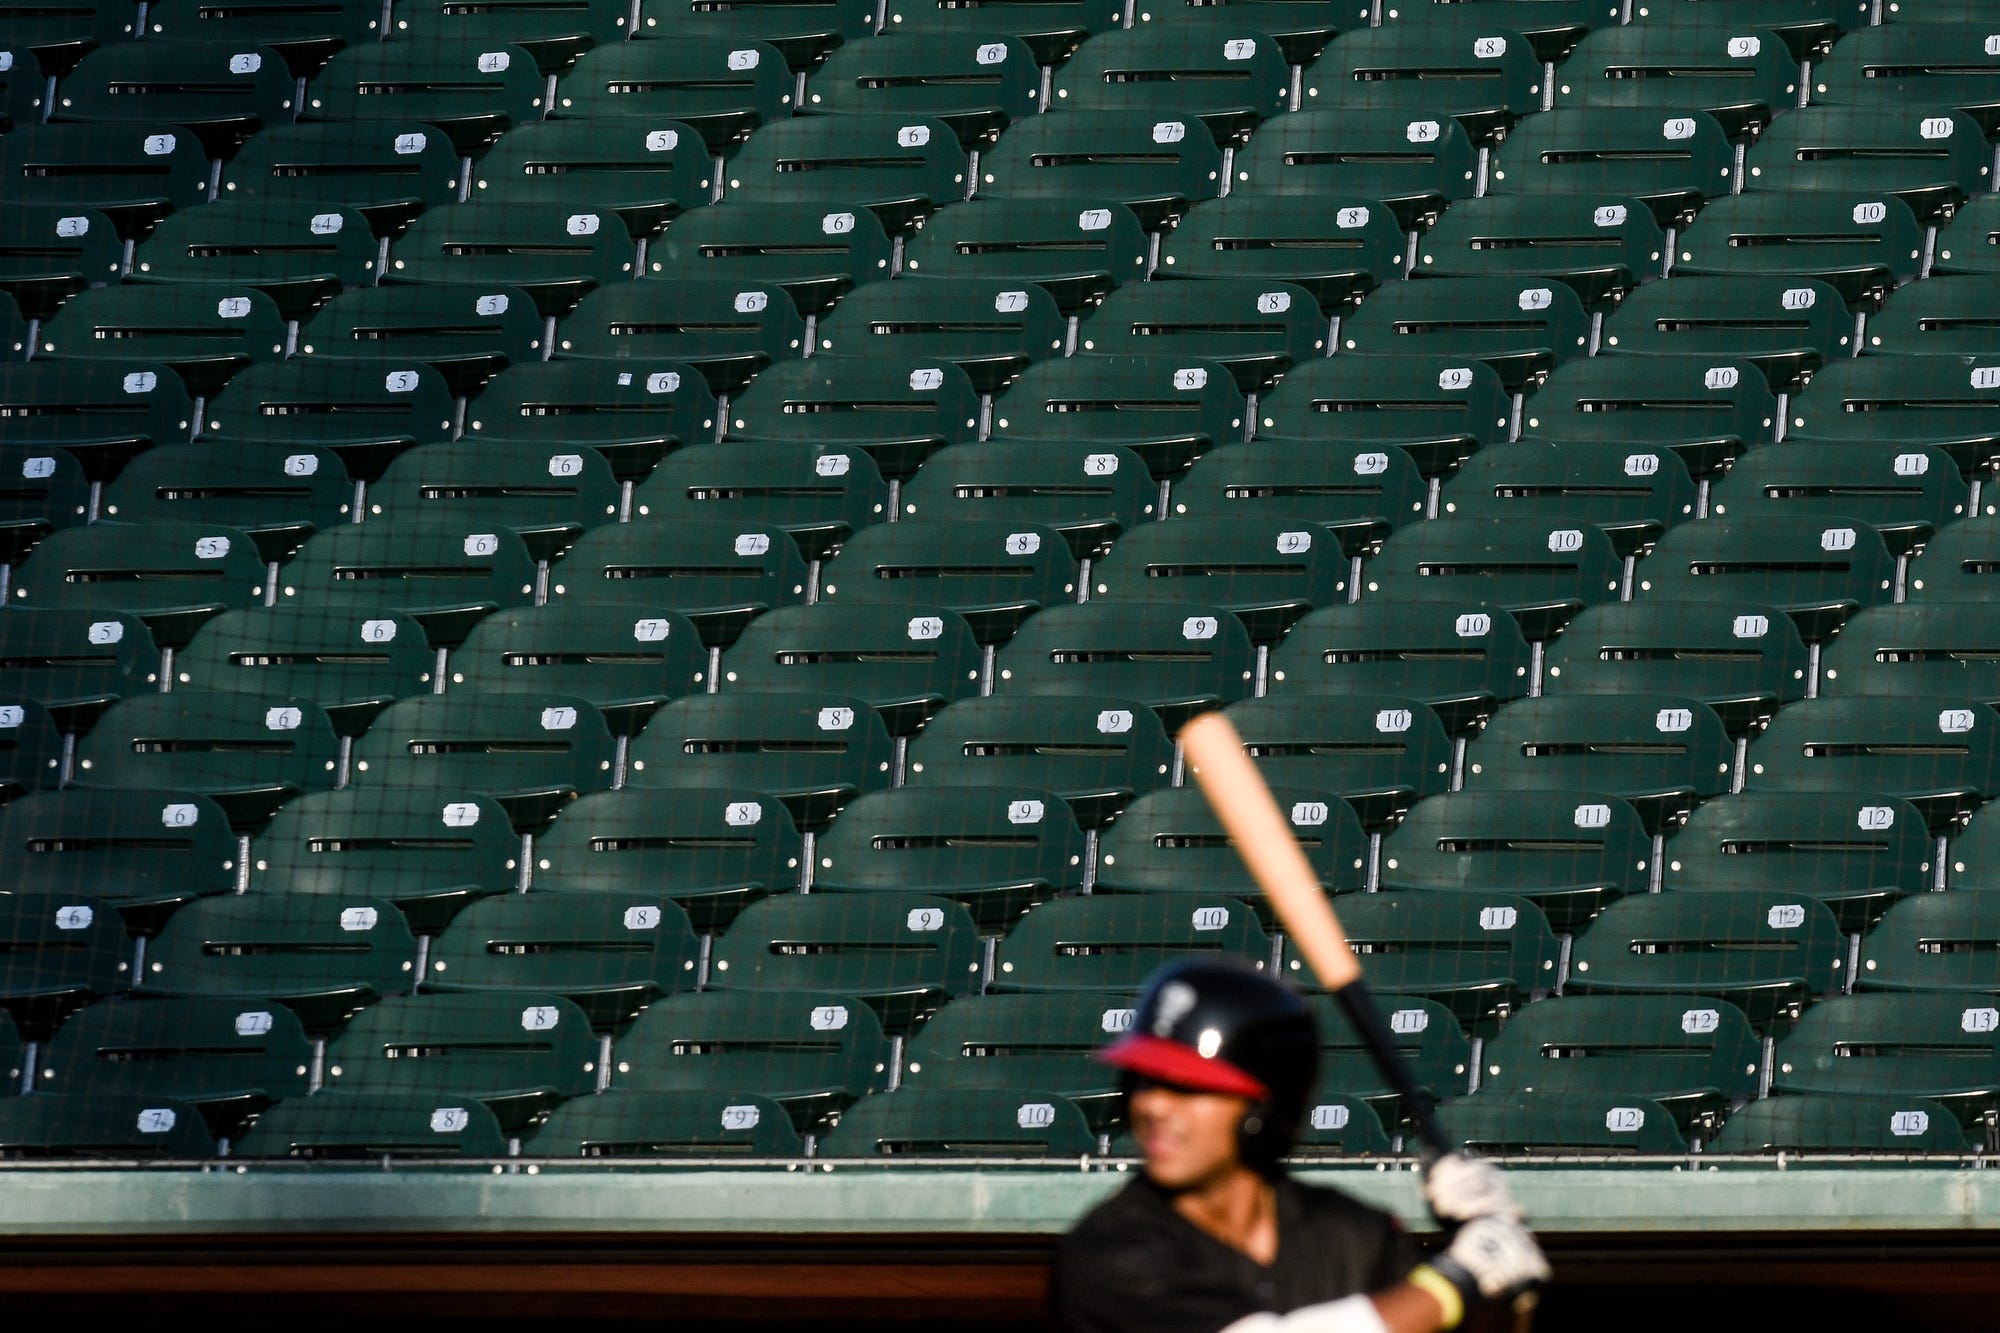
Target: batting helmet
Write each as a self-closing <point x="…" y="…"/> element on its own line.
<point x="1221" y="1027"/>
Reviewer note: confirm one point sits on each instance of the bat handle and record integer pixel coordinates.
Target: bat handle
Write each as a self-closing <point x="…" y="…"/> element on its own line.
<point x="1524" y="1311"/>
<point x="1366" y="1016"/>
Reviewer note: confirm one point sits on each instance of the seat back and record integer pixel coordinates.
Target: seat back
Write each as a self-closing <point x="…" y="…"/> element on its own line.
<point x="813" y="752"/>
<point x="1934" y="1046"/>
<point x="340" y="659"/>
<point x="1520" y="327"/>
<point x="1671" y="163"/>
<point x="1094" y="753"/>
<point x="1690" y="1053"/>
<point x="134" y="849"/>
<point x="904" y="665"/>
<point x="323" y="958"/>
<point x="1170" y="656"/>
<point x="1076" y="255"/>
<point x="1337" y="250"/>
<point x="1461" y="660"/>
<point x="1742" y="660"/>
<point x="217" y="743"/>
<point x="721" y="84"/>
<point x="1600" y="244"/>
<point x="495" y="743"/>
<point x="626" y="662"/>
<point x="1861" y="244"/>
<point x="1114" y="943"/>
<point x="394" y="168"/>
<point x="815" y="254"/>
<point x="197" y="1051"/>
<point x="961" y="1122"/>
<point x="727" y="330"/>
<point x="80" y="658"/>
<point x="1415" y="166"/>
<point x="1381" y="752"/>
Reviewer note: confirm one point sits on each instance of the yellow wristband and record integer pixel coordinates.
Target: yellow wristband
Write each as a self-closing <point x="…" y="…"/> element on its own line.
<point x="1440" y="1289"/>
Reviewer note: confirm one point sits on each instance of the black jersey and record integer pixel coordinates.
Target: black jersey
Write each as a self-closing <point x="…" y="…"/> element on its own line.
<point x="1135" y="1264"/>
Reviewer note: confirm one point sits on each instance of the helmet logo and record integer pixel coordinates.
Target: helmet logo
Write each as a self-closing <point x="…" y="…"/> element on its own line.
<point x="1176" y="998"/>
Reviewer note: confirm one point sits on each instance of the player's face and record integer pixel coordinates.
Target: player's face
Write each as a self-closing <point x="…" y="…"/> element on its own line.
<point x="1188" y="1138"/>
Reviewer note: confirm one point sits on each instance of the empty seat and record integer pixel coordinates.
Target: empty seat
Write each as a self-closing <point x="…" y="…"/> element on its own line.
<point x="1743" y="660"/>
<point x="223" y="93"/>
<point x="133" y="174"/>
<point x="118" y="1128"/>
<point x="1171" y="842"/>
<point x="1439" y="410"/>
<point x="1541" y="573"/>
<point x="1040" y="1039"/>
<point x="205" y="333"/>
<point x="99" y="412"/>
<point x="531" y="752"/>
<point x="720" y="575"/>
<point x="1266" y="571"/>
<point x="812" y="752"/>
<point x="549" y="493"/>
<point x="1948" y="402"/>
<point x="1955" y="565"/>
<point x="1257" y="329"/>
<point x="1480" y="955"/>
<point x="226" y="1057"/>
<point x="1767" y="952"/>
<point x="1354" y="493"/>
<point x="1380" y="752"/>
<point x="1094" y="753"/>
<point x="471" y="90"/>
<point x="1568" y="853"/>
<point x="1520" y="327"/>
<point x="1600" y="245"/>
<point x="1949" y="316"/>
<point x="443" y="578"/>
<point x="1427" y="1038"/>
<point x="1691" y="1054"/>
<point x="428" y="853"/>
<point x="31" y="749"/>
<point x="905" y="666"/>
<point x="1177" y="658"/>
<point x="1337" y="249"/>
<point x="1807" y="27"/>
<point x="1742" y="78"/>
<point x="1166" y="410"/>
<point x="138" y="851"/>
<point x="691" y="1123"/>
<point x="468" y="334"/>
<point x="374" y="1127"/>
<point x="364" y="411"/>
<point x="901" y="955"/>
<point x="992" y="850"/>
<point x="1671" y="163"/>
<point x="990" y="328"/>
<point x="1051" y="28"/>
<point x="75" y="662"/>
<point x="815" y="254"/>
<point x="900" y="167"/>
<point x="1972" y="860"/>
<point x="1153" y="165"/>
<point x="1854" y="851"/>
<point x="1076" y="252"/>
<point x="1899" y="66"/>
<point x="276" y="497"/>
<point x="722" y="85"/>
<point x="1923" y="649"/>
<point x="304" y="33"/>
<point x="1706" y="412"/>
<point x="384" y="171"/>
<point x="1088" y="493"/>
<point x="1560" y="1124"/>
<point x="1482" y="76"/>
<point x="626" y="665"/>
<point x="1662" y="753"/>
<point x="1113" y="943"/>
<point x="172" y="576"/>
<point x="519" y="1053"/>
<point x="298" y="252"/>
<point x="1933" y="942"/>
<point x="1928" y="157"/>
<point x="1786" y="327"/>
<point x="820" y="493"/>
<point x="63" y="952"/>
<point x="249" y="752"/>
<point x="553" y="31"/>
<point x="1939" y="1047"/>
<point x="351" y="663"/>
<point x="23" y="86"/>
<point x="1843" y="1123"/>
<point x="1817" y="572"/>
<point x="1938" y="753"/>
<point x="47" y="489"/>
<point x="322" y="957"/>
<point x="1415" y="167"/>
<point x="610" y="954"/>
<point x="1225" y="71"/>
<point x="1633" y="496"/>
<point x="631" y="412"/>
<point x="1460" y="660"/>
<point x="552" y="255"/>
<point x="711" y="855"/>
<point x="897" y="411"/>
<point x="803" y="33"/>
<point x="49" y="251"/>
<point x="993" y="572"/>
<point x="812" y="1052"/>
<point x="961" y="1122"/>
<point x="974" y="82"/>
<point x="1860" y="244"/>
<point x="1968" y="245"/>
<point x="727" y="330"/>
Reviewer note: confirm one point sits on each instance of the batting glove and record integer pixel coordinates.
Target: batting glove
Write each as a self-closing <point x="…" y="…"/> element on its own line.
<point x="1491" y="1258"/>
<point x="1460" y="1188"/>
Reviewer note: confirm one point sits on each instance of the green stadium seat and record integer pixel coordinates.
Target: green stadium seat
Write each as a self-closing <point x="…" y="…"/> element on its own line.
<point x="13" y="329"/>
<point x="1944" y="401"/>
<point x="222" y="93"/>
<point x="1742" y="78"/>
<point x="1337" y="249"/>
<point x="1481" y="956"/>
<point x="802" y="32"/>
<point x="375" y="1127"/>
<point x="1302" y="27"/>
<point x="1568" y="853"/>
<point x="822" y="494"/>
<point x="1905" y="492"/>
<point x="1662" y="753"/>
<point x="248" y="752"/>
<point x="1928" y="157"/>
<point x="1967" y="246"/>
<point x="305" y="32"/>
<point x="549" y="493"/>
<point x="119" y="1129"/>
<point x="1432" y="1046"/>
<point x="352" y="663"/>
<point x="631" y="412"/>
<point x="1745" y="661"/>
<point x="47" y="490"/>
<point x="1632" y="497"/>
<point x="610" y="954"/>
<point x="719" y="574"/>
<point x="555" y="32"/>
<point x="224" y="1057"/>
<point x="974" y="81"/>
<point x="812" y="1053"/>
<point x="428" y="853"/>
<point x="1693" y="1055"/>
<point x="471" y="90"/>
<point x="1354" y="493"/>
<point x="1861" y="245"/>
<point x="667" y="1124"/>
<point x="366" y="412"/>
<point x="625" y="665"/>
<point x="1171" y="842"/>
<point x="1266" y="571"/>
<point x="1114" y="942"/>
<point x="51" y="251"/>
<point x="1540" y="573"/>
<point x="206" y="334"/>
<point x="1480" y="75"/>
<point x="133" y="174"/>
<point x="1932" y="942"/>
<point x="896" y="411"/>
<point x="1807" y="27"/>
<point x="386" y="172"/>
<point x="1767" y="952"/>
<point x="1600" y="245"/>
<point x="994" y="572"/>
<point x="1973" y="859"/>
<point x="1939" y="754"/>
<point x="1039" y="1039"/>
<point x="1560" y="1125"/>
<point x="1051" y="28"/>
<point x="1898" y="66"/>
<point x="99" y="412"/>
<point x="519" y="1053"/>
<point x="442" y="578"/>
<point x="727" y="330"/>
<point x="710" y="856"/>
<point x="1552" y="26"/>
<point x="948" y="319"/>
<point x="1165" y="409"/>
<point x="1439" y="410"/>
<point x="299" y="252"/>
<point x="466" y="334"/>
<point x="23" y="86"/>
<point x="1461" y="661"/>
<point x="1815" y="571"/>
<point x="1076" y="250"/>
<point x="553" y="256"/>
<point x="1256" y="329"/>
<point x="1087" y="493"/>
<point x="1671" y="163"/>
<point x="1339" y="1125"/>
<point x="904" y="666"/>
<point x="1177" y="658"/>
<point x="815" y="255"/>
<point x="1924" y="648"/>
<point x="1156" y="167"/>
<point x="1380" y="752"/>
<point x="62" y="952"/>
<point x="992" y="850"/>
<point x="1853" y="851"/>
<point x="1844" y="1123"/>
<point x="1222" y="69"/>
<point x="172" y="576"/>
<point x="1413" y="167"/>
<point x="31" y="749"/>
<point x="961" y="1122"/>
<point x="1521" y="328"/>
<point x="276" y="497"/>
<point x="324" y="958"/>
<point x="900" y="167"/>
<point x="1939" y="1047"/>
<point x="1954" y="565"/>
<point x="533" y="753"/>
<point x="813" y="753"/>
<point x="721" y="85"/>
<point x="1788" y="328"/>
<point x="902" y="955"/>
<point x="74" y="663"/>
<point x="1949" y="316"/>
<point x="1096" y="754"/>
<point x="141" y="852"/>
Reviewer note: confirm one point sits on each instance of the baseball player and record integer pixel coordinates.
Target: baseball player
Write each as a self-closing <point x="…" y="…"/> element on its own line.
<point x="1213" y="1236"/>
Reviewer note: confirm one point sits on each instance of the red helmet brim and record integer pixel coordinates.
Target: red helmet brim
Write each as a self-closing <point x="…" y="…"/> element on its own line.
<point x="1181" y="1066"/>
